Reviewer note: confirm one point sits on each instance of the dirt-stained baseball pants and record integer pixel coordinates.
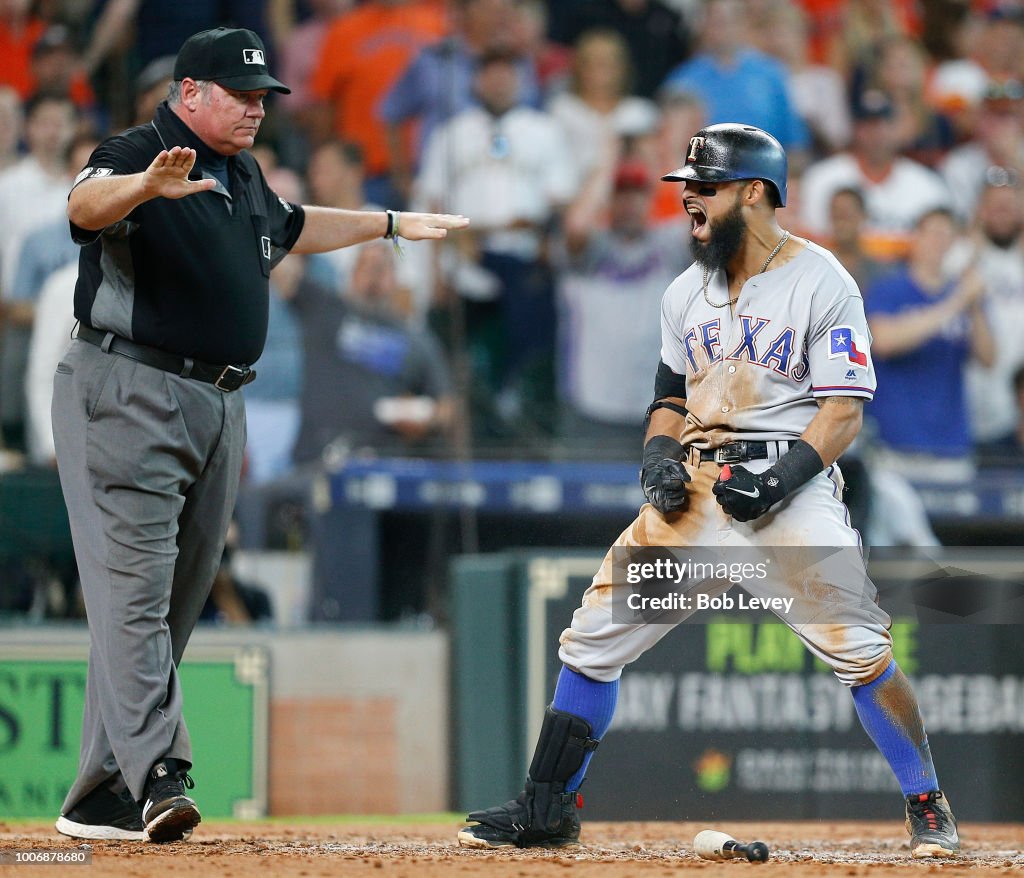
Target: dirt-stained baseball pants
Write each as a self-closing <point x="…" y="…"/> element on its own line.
<point x="849" y="632"/>
<point x="149" y="463"/>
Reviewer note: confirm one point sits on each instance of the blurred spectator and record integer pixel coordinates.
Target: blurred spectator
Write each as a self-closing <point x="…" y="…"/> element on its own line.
<point x="998" y="251"/>
<point x="33" y="194"/>
<point x="10" y="126"/>
<point x="610" y="283"/>
<point x="439" y="81"/>
<point x="48" y="246"/>
<point x="847" y="216"/>
<point x="44" y="251"/>
<point x="363" y="54"/>
<point x="956" y="89"/>
<point x="151" y="87"/>
<point x="1007" y="449"/>
<point x="597" y="103"/>
<point x="922" y="133"/>
<point x="272" y="408"/>
<point x="35" y="189"/>
<point x="999" y="142"/>
<point x="300" y="47"/>
<point x="884" y="507"/>
<point x="682" y="116"/>
<point x="865" y="25"/>
<point x="232" y="601"/>
<point x="999" y="46"/>
<point x="925" y="327"/>
<point x="654" y="32"/>
<point x="371" y="382"/>
<point x="20" y="28"/>
<point x="818" y="91"/>
<point x="152" y="29"/>
<point x="736" y="81"/>
<point x="335" y="176"/>
<point x="896" y="190"/>
<point x="551" y="61"/>
<point x="944" y="26"/>
<point x="50" y="337"/>
<point x="509" y="167"/>
<point x="57" y="68"/>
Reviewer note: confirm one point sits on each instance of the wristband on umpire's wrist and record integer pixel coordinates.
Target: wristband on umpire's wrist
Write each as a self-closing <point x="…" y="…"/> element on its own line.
<point x="797" y="466"/>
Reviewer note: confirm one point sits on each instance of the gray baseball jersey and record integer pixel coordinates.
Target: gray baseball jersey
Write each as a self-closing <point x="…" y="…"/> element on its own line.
<point x="797" y="332"/>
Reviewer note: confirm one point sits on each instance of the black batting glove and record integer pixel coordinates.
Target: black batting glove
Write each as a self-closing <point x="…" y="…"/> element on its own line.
<point x="746" y="495"/>
<point x="663" y="477"/>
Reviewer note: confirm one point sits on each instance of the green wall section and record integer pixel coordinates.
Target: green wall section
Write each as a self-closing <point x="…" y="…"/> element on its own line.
<point x="41" y="705"/>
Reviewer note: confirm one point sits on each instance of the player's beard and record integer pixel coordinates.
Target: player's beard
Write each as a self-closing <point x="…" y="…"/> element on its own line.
<point x="724" y="242"/>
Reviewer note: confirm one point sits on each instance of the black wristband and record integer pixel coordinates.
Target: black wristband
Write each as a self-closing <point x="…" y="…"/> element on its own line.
<point x="390" y="233"/>
<point x="659" y="448"/>
<point x="798" y="465"/>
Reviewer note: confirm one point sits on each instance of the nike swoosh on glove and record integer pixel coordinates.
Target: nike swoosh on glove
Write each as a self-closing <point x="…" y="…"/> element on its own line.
<point x="746" y="495"/>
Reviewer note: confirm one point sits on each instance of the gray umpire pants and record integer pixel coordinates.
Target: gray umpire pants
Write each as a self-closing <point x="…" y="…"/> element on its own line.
<point x="149" y="463"/>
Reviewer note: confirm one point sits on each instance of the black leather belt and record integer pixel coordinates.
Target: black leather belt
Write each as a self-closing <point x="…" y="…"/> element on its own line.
<point x="736" y="452"/>
<point x="226" y="378"/>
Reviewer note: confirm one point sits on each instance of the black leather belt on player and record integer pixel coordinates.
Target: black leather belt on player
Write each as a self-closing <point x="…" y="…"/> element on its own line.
<point x="736" y="452"/>
<point x="226" y="378"/>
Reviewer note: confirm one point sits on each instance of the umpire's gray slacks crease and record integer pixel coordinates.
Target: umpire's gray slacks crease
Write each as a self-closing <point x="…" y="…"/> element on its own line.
<point x="149" y="464"/>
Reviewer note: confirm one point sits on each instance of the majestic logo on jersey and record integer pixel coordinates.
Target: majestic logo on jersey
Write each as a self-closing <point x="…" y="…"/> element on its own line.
<point x="265" y="244"/>
<point x="695" y="144"/>
<point x="843" y="341"/>
<point x="253" y="56"/>
<point x="703" y="346"/>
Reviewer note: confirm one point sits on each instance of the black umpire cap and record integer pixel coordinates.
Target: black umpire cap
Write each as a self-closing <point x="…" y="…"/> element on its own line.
<point x="234" y="58"/>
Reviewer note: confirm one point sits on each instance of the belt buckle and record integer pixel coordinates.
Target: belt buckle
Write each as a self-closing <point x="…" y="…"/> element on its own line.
<point x="235" y="376"/>
<point x="731" y="452"/>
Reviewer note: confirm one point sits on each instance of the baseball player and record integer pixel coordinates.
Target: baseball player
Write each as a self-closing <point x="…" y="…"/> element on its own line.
<point x="765" y="369"/>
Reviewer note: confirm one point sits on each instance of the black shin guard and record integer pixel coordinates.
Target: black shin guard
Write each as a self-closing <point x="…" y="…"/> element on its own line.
<point x="544" y="814"/>
<point x="563" y="743"/>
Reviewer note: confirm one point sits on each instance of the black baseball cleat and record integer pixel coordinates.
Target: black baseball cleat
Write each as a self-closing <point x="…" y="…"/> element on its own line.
<point x="168" y="814"/>
<point x="932" y="826"/>
<point x="511" y="824"/>
<point x="104" y="814"/>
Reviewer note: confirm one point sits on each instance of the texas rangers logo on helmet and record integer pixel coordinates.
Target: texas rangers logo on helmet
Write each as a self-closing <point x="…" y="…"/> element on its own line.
<point x="843" y="341"/>
<point x="253" y="56"/>
<point x="695" y="144"/>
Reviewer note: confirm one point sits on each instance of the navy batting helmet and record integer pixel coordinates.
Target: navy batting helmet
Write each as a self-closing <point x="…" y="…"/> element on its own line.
<point x="730" y="151"/>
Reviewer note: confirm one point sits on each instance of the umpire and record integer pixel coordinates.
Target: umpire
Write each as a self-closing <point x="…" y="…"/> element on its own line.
<point x="179" y="232"/>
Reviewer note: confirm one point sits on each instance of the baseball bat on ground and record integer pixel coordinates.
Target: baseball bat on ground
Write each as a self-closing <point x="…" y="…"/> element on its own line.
<point x="712" y="845"/>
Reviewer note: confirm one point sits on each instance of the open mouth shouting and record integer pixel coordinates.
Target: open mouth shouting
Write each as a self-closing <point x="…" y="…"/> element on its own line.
<point x="699" y="221"/>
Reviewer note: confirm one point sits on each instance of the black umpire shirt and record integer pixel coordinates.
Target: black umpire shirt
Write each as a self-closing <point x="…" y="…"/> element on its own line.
<point x="189" y="276"/>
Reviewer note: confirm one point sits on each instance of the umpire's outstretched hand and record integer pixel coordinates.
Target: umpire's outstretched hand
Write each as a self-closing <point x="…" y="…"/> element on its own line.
<point x="167" y="175"/>
<point x="424" y="226"/>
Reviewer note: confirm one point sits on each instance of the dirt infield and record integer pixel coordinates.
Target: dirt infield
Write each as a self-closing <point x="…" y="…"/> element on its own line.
<point x="615" y="850"/>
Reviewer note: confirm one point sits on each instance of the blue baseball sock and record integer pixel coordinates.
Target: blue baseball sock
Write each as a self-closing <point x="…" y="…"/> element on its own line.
<point x="889" y="713"/>
<point x="589" y="700"/>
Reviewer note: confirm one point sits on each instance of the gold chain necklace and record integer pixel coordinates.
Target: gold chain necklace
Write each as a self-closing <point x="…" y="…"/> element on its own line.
<point x="764" y="268"/>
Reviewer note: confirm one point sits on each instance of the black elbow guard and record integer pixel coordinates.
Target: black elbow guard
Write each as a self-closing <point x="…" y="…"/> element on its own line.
<point x="668" y="383"/>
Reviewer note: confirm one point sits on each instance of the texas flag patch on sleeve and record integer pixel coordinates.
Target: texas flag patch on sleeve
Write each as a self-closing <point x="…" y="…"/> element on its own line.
<point x="844" y="341"/>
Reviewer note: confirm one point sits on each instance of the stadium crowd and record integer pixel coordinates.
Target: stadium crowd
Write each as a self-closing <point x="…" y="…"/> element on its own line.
<point x="549" y="125"/>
